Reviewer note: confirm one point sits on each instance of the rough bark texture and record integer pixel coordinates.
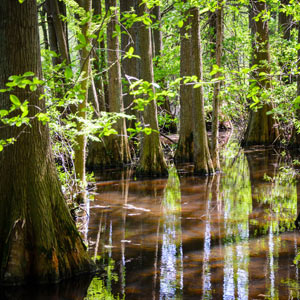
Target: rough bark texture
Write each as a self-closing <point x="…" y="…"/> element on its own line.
<point x="185" y="147"/>
<point x="152" y="161"/>
<point x="81" y="140"/>
<point x="114" y="150"/>
<point x="38" y="238"/>
<point x="217" y="87"/>
<point x="202" y="158"/>
<point x="261" y="128"/>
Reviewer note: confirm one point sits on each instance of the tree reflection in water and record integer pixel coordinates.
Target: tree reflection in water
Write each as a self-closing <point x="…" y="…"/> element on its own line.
<point x="171" y="269"/>
<point x="229" y="236"/>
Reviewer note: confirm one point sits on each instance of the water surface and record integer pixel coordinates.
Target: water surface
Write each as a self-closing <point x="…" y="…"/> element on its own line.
<point x="230" y="236"/>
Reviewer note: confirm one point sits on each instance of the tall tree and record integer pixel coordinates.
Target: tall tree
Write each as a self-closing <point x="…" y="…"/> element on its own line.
<point x="114" y="149"/>
<point x="38" y="238"/>
<point x="217" y="87"/>
<point x="202" y="158"/>
<point x="152" y="160"/>
<point x="185" y="148"/>
<point x="295" y="139"/>
<point x="57" y="31"/>
<point x="85" y="65"/>
<point x="284" y="21"/>
<point x="130" y="66"/>
<point x="262" y="127"/>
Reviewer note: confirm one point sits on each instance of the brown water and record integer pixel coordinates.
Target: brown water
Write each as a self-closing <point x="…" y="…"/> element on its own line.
<point x="230" y="236"/>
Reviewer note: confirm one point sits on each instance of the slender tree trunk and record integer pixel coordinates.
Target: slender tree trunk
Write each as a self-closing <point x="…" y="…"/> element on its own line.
<point x="114" y="150"/>
<point x="38" y="238"/>
<point x="98" y="64"/>
<point x="284" y="22"/>
<point x="118" y="144"/>
<point x="185" y="147"/>
<point x="52" y="35"/>
<point x="152" y="161"/>
<point x="262" y="128"/>
<point x="202" y="158"/>
<point x="157" y="34"/>
<point x="157" y="47"/>
<point x="298" y="64"/>
<point x="81" y="140"/>
<point x="130" y="66"/>
<point x="217" y="88"/>
<point x="43" y="14"/>
<point x="295" y="138"/>
<point x="59" y="28"/>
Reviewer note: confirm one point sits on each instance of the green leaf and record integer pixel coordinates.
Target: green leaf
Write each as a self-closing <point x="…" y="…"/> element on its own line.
<point x="27" y="74"/>
<point x="68" y="73"/>
<point x="147" y="131"/>
<point x="81" y="38"/>
<point x="180" y="23"/>
<point x="33" y="87"/>
<point x="15" y="100"/>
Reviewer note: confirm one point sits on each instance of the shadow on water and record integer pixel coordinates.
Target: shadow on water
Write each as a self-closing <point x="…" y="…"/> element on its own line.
<point x="230" y="236"/>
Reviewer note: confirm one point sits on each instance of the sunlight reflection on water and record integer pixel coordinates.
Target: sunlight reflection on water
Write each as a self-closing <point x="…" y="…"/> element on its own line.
<point x="230" y="236"/>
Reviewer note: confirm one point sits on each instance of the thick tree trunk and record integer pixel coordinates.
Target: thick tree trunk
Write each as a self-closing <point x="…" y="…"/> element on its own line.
<point x="262" y="128"/>
<point x="217" y="88"/>
<point x="152" y="161"/>
<point x="202" y="158"/>
<point x="38" y="238"/>
<point x="185" y="148"/>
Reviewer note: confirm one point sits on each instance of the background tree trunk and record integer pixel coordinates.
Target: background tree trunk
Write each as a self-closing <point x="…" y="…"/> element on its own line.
<point x="38" y="238"/>
<point x="130" y="66"/>
<point x="152" y="161"/>
<point x="217" y="88"/>
<point x="114" y="149"/>
<point x="81" y="140"/>
<point x="261" y="128"/>
<point x="202" y="158"/>
<point x="185" y="147"/>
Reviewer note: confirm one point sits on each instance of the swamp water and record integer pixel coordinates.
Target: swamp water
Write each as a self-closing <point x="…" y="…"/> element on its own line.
<point x="230" y="236"/>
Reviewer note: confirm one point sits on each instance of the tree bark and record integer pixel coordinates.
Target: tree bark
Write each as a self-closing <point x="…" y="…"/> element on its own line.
<point x="185" y="147"/>
<point x="115" y="148"/>
<point x="217" y="87"/>
<point x="152" y="161"/>
<point x="81" y="139"/>
<point x="60" y="31"/>
<point x="295" y="138"/>
<point x="38" y="238"/>
<point x="157" y="34"/>
<point x="284" y="22"/>
<point x="262" y="128"/>
<point x="130" y="66"/>
<point x="202" y="158"/>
